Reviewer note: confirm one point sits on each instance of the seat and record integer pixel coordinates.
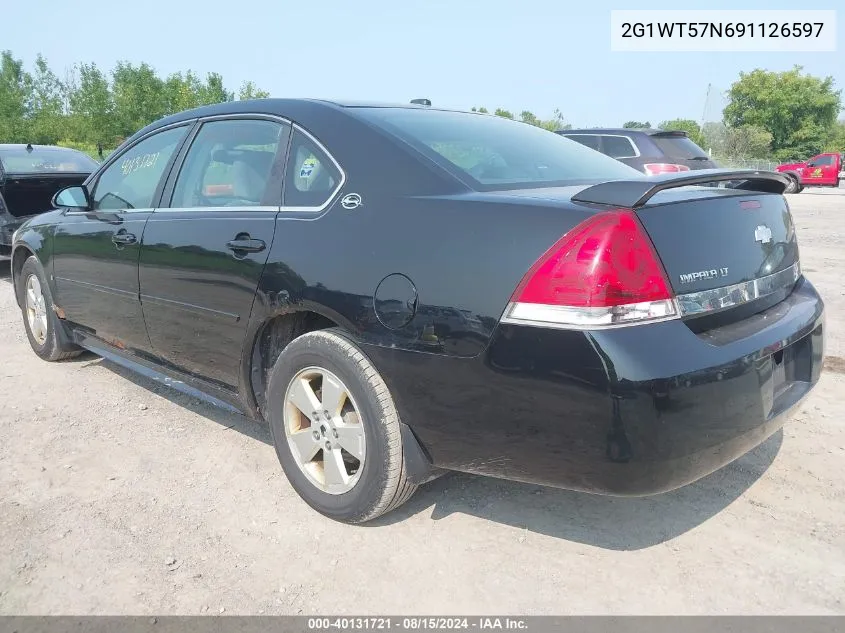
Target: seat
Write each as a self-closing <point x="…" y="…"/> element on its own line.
<point x="250" y="173"/>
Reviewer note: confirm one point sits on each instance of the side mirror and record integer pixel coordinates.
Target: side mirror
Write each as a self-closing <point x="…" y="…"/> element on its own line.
<point x="75" y="197"/>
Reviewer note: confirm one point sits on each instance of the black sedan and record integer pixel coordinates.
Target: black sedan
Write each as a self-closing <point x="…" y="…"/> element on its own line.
<point x="29" y="177"/>
<point x="402" y="290"/>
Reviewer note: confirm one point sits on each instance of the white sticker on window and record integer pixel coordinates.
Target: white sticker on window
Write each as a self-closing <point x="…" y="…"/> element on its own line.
<point x="307" y="168"/>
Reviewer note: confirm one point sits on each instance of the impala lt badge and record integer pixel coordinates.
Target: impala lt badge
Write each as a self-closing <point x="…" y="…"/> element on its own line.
<point x="704" y="275"/>
<point x="763" y="234"/>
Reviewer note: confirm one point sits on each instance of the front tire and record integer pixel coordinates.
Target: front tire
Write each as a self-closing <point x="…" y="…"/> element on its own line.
<point x="793" y="186"/>
<point x="39" y="318"/>
<point x="336" y="430"/>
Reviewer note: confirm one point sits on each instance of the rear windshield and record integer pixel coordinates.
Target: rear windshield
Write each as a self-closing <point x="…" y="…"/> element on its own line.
<point x="494" y="152"/>
<point x="679" y="147"/>
<point x="45" y="161"/>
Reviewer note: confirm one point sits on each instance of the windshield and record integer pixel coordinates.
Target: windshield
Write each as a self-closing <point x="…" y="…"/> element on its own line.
<point x="679" y="147"/>
<point x="42" y="160"/>
<point x="497" y="153"/>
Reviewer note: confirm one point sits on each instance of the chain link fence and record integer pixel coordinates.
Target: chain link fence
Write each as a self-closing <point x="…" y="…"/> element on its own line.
<point x="745" y="163"/>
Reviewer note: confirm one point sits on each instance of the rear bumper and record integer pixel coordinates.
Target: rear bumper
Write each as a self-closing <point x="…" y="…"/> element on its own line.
<point x="628" y="411"/>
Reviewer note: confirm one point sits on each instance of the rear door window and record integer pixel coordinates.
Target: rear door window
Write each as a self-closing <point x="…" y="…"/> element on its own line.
<point x="590" y="140"/>
<point x="230" y="164"/>
<point x="618" y="146"/>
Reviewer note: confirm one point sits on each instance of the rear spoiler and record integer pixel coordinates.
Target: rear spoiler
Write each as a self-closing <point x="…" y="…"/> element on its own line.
<point x="632" y="194"/>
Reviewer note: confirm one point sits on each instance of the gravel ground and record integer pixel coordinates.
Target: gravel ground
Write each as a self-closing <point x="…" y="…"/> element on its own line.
<point x="118" y="496"/>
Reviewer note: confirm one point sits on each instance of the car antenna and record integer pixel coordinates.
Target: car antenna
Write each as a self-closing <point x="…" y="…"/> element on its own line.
<point x="29" y="147"/>
<point x="422" y="102"/>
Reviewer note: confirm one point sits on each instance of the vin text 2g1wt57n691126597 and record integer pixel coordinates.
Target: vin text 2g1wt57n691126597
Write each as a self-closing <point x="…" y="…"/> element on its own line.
<point x="402" y="290"/>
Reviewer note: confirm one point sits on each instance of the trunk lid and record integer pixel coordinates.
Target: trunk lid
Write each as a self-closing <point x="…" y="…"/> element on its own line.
<point x="31" y="194"/>
<point x="710" y="239"/>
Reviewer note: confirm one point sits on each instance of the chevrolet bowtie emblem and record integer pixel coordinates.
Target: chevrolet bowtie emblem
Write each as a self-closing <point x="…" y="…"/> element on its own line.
<point x="763" y="234"/>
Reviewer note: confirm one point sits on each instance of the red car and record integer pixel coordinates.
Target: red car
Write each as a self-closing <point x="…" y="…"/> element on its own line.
<point x="823" y="170"/>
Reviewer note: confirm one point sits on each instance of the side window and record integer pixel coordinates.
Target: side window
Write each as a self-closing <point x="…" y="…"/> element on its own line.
<point x="230" y="163"/>
<point x="312" y="177"/>
<point x="823" y="161"/>
<point x="618" y="147"/>
<point x="590" y="140"/>
<point x="131" y="181"/>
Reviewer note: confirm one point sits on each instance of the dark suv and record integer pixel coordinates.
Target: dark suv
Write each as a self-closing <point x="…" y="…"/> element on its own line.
<point x="649" y="151"/>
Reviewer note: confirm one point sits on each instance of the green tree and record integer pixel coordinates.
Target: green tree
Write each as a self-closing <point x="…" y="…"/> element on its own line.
<point x="799" y="110"/>
<point x="249" y="90"/>
<point x="46" y="105"/>
<point x="528" y="117"/>
<point x="214" y="91"/>
<point x="557" y="122"/>
<point x="748" y="141"/>
<point x="15" y="94"/>
<point x="685" y="125"/>
<point x="837" y="138"/>
<point x="139" y="97"/>
<point x="636" y="125"/>
<point x="503" y="113"/>
<point x="182" y="92"/>
<point x="91" y="107"/>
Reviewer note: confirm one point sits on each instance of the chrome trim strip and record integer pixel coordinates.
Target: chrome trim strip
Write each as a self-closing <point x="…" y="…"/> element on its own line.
<point x="690" y="304"/>
<point x="188" y="307"/>
<point x="698" y="303"/>
<point x="245" y="115"/>
<point x="109" y="211"/>
<point x="576" y="318"/>
<point x="117" y="292"/>
<point x="235" y="209"/>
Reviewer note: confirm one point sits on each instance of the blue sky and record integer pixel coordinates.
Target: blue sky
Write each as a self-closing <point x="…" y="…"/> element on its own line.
<point x="537" y="55"/>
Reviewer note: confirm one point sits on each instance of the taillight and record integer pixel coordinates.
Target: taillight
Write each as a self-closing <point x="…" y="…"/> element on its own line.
<point x="603" y="272"/>
<point x="652" y="169"/>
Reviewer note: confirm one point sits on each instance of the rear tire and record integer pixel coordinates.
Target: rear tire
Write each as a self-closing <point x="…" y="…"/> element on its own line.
<point x="345" y="458"/>
<point x="43" y="328"/>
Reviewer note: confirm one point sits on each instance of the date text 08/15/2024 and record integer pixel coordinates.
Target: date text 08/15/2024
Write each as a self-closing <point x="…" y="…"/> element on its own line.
<point x="416" y="623"/>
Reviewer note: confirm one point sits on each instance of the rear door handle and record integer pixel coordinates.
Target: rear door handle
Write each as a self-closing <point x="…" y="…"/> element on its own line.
<point x="246" y="245"/>
<point x="122" y="238"/>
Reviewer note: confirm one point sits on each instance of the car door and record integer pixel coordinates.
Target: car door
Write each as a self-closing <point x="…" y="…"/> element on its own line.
<point x="205" y="248"/>
<point x="825" y="166"/>
<point x="95" y="252"/>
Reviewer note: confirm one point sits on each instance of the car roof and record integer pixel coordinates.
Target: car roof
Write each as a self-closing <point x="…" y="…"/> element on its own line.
<point x="286" y="107"/>
<point x="24" y="146"/>
<point x="622" y="131"/>
<point x="280" y="106"/>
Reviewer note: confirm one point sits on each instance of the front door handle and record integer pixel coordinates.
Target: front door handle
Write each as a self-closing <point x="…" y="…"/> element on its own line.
<point x="245" y="244"/>
<point x="122" y="238"/>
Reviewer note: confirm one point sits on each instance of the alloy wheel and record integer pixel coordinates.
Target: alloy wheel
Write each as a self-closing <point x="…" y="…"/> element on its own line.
<point x="324" y="430"/>
<point x="36" y="309"/>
